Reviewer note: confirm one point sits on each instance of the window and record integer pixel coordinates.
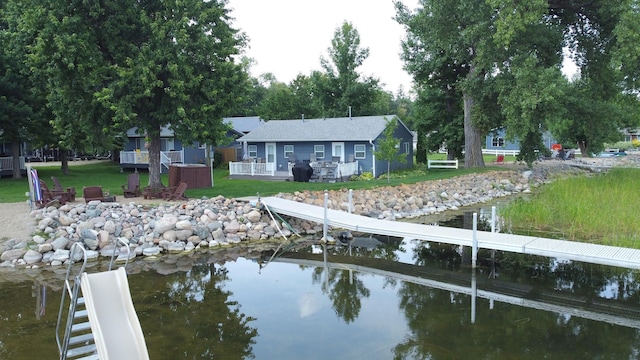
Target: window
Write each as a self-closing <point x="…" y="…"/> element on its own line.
<point x="319" y="151"/>
<point x="360" y="151"/>
<point x="253" y="151"/>
<point x="140" y="143"/>
<point x="406" y="148"/>
<point x="497" y="142"/>
<point x="288" y="151"/>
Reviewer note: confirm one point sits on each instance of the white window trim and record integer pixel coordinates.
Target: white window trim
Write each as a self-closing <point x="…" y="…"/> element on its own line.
<point x="355" y="151"/>
<point x="253" y="151"/>
<point x="288" y="153"/>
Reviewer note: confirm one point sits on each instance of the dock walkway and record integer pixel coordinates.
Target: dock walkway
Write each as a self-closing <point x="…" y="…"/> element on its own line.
<point x="569" y="250"/>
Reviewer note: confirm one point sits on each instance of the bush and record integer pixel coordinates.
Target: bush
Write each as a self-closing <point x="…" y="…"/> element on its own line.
<point x="364" y="176"/>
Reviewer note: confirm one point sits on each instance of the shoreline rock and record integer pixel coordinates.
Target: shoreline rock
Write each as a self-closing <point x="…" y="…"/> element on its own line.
<point x="222" y="222"/>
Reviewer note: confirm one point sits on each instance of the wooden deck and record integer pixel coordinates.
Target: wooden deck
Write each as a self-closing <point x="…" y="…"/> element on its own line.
<point x="569" y="250"/>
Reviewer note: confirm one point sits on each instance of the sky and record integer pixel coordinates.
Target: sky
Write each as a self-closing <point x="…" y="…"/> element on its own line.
<point x="288" y="37"/>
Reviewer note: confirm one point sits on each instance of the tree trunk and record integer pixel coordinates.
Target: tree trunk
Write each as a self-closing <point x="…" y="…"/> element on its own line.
<point x="582" y="145"/>
<point x="451" y="154"/>
<point x="64" y="160"/>
<point x="472" y="136"/>
<point x="154" y="160"/>
<point x="421" y="147"/>
<point x="15" y="151"/>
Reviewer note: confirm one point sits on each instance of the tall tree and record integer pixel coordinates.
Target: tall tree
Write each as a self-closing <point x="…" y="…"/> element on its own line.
<point x="458" y="32"/>
<point x="22" y="109"/>
<point x="116" y="65"/>
<point x="593" y="108"/>
<point x="344" y="88"/>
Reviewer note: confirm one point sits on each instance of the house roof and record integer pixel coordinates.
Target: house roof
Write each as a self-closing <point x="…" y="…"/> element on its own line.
<point x="360" y="128"/>
<point x="245" y="124"/>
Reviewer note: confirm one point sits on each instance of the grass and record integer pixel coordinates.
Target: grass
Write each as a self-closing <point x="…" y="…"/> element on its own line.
<point x="599" y="209"/>
<point x="108" y="176"/>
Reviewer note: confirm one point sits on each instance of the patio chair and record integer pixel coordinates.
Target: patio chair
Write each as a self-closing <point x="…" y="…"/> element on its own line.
<point x="48" y="198"/>
<point x="499" y="159"/>
<point x="132" y="187"/>
<point x="92" y="193"/>
<point x="176" y="193"/>
<point x="69" y="192"/>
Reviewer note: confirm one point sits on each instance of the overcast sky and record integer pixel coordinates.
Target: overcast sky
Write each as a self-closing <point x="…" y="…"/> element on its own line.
<point x="288" y="37"/>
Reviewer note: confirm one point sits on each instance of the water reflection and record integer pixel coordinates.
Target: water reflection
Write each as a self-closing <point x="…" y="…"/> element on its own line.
<point x="374" y="298"/>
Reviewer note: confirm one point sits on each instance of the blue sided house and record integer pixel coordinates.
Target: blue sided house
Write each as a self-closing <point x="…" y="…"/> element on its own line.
<point x="496" y="141"/>
<point x="336" y="148"/>
<point x="172" y="151"/>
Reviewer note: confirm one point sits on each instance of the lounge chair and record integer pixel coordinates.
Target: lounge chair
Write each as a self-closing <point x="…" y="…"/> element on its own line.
<point x="176" y="193"/>
<point x="48" y="198"/>
<point x="132" y="188"/>
<point x="92" y="193"/>
<point x="69" y="193"/>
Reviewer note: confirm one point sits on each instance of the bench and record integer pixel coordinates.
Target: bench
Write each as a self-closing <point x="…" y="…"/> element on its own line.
<point x="442" y="164"/>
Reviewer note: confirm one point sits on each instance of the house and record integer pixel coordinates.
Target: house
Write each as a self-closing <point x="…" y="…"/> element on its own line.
<point x="335" y="147"/>
<point x="240" y="126"/>
<point x="136" y="156"/>
<point x="496" y="143"/>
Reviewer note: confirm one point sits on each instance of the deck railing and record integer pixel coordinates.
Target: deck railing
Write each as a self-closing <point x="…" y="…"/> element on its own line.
<point x="252" y="168"/>
<point x="269" y="169"/>
<point x="142" y="157"/>
<point x="6" y="163"/>
<point x="347" y="169"/>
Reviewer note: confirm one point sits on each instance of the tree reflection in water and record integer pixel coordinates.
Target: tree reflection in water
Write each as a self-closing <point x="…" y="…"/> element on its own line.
<point x="216" y="328"/>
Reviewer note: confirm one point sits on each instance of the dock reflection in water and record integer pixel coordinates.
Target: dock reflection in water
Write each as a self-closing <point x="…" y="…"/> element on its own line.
<point x="392" y="298"/>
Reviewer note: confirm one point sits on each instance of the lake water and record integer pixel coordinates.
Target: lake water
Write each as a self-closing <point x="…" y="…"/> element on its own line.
<point x="380" y="298"/>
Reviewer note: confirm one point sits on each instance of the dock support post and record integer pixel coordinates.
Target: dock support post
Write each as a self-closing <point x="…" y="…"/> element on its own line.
<point x="326" y="216"/>
<point x="350" y="199"/>
<point x="493" y="219"/>
<point x="474" y="295"/>
<point x="474" y="243"/>
<point x="493" y="251"/>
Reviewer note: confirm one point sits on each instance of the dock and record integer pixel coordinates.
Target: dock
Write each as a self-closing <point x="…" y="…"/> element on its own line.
<point x="531" y="245"/>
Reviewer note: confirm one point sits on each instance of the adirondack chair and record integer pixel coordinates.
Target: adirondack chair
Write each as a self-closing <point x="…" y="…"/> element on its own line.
<point x="132" y="187"/>
<point x="92" y="193"/>
<point x="499" y="159"/>
<point x="69" y="192"/>
<point x="48" y="198"/>
<point x="176" y="193"/>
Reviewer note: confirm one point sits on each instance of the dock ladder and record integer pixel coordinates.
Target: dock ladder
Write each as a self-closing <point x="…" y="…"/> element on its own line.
<point x="78" y="341"/>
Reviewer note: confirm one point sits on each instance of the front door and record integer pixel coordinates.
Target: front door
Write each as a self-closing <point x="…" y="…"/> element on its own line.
<point x="270" y="152"/>
<point x="337" y="149"/>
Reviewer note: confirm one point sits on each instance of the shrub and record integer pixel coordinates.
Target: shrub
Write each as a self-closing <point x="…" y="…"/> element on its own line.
<point x="364" y="176"/>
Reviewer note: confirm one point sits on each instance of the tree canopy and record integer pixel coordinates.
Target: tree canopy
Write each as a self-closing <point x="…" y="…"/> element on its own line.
<point x="116" y="65"/>
<point x="506" y="61"/>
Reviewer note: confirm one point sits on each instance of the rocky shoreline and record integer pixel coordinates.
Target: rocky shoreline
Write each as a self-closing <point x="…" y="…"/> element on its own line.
<point x="163" y="229"/>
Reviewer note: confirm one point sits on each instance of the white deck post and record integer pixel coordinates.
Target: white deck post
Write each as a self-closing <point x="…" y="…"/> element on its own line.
<point x="350" y="199"/>
<point x="326" y="216"/>
<point x="474" y="243"/>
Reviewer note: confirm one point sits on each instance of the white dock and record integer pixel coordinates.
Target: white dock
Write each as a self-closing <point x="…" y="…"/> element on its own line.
<point x="569" y="250"/>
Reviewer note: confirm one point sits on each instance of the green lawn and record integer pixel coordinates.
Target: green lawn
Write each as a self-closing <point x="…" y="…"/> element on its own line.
<point x="108" y="176"/>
